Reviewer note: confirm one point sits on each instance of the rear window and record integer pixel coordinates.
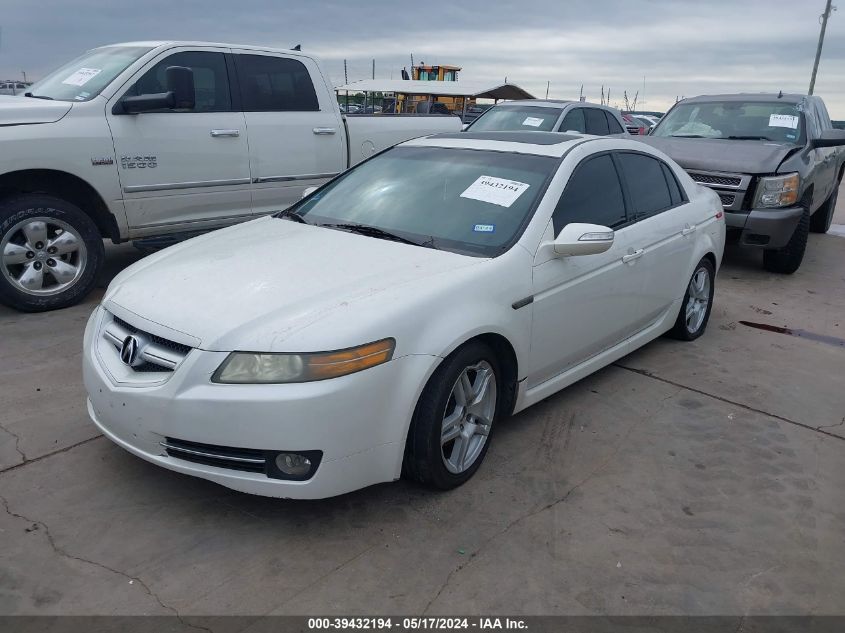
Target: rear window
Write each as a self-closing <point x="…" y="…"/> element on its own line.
<point x="516" y="118"/>
<point x="275" y="84"/>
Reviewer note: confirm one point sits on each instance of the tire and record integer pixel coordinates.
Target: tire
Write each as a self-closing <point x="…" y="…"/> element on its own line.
<point x="822" y="219"/>
<point x="438" y="464"/>
<point x="788" y="259"/>
<point x="60" y="267"/>
<point x="698" y="302"/>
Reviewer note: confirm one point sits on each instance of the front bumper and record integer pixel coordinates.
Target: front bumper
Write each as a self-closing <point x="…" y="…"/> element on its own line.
<point x="359" y="422"/>
<point x="765" y="228"/>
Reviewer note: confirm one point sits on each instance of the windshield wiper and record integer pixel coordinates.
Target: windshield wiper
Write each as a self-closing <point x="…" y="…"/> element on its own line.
<point x="748" y="138"/>
<point x="686" y="136"/>
<point x="374" y="231"/>
<point x="290" y="214"/>
<point x="32" y="96"/>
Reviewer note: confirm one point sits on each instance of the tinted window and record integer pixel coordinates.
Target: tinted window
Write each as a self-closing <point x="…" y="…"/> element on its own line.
<point x="275" y="84"/>
<point x="594" y="195"/>
<point x="211" y="80"/>
<point x="646" y="184"/>
<point x="596" y="121"/>
<point x="574" y="120"/>
<point x="674" y="187"/>
<point x="613" y="124"/>
<point x="520" y="117"/>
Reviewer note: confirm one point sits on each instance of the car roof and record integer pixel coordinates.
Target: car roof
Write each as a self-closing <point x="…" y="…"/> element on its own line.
<point x="756" y="96"/>
<point x="555" y="103"/>
<point x="172" y="43"/>
<point x="553" y="144"/>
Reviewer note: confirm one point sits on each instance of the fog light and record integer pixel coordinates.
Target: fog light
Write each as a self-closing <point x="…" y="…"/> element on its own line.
<point x="293" y="464"/>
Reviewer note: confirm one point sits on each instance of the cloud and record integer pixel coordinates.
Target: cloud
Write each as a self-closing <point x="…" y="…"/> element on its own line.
<point x="681" y="47"/>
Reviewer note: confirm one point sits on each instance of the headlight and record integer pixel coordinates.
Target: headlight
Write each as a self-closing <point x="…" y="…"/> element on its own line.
<point x="777" y="191"/>
<point x="252" y="367"/>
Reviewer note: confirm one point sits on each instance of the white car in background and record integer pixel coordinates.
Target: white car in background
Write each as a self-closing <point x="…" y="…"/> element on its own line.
<point x="385" y="323"/>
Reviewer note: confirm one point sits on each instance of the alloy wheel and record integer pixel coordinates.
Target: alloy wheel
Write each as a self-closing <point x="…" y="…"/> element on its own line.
<point x="698" y="300"/>
<point x="468" y="417"/>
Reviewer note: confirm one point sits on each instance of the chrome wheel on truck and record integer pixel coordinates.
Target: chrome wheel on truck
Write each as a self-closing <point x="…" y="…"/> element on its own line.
<point x="50" y="253"/>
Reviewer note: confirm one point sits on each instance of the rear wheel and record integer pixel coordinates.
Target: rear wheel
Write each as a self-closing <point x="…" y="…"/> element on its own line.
<point x="788" y="259"/>
<point x="822" y="219"/>
<point x="450" y="432"/>
<point x="50" y="253"/>
<point x="697" y="304"/>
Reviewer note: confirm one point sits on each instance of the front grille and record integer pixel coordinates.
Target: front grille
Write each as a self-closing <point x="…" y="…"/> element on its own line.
<point x="153" y="354"/>
<point x="727" y="199"/>
<point x="246" y="459"/>
<point x="710" y="179"/>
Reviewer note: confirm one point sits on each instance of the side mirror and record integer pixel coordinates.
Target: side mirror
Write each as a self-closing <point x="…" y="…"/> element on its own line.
<point x="829" y="138"/>
<point x="308" y="191"/>
<point x="180" y="95"/>
<point x="583" y="239"/>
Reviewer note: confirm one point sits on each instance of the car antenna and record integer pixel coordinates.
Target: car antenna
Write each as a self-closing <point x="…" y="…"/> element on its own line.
<point x="298" y="47"/>
<point x="780" y="94"/>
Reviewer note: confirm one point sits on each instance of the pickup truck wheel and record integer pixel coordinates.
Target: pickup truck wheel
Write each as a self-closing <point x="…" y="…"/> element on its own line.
<point x="822" y="219"/>
<point x="50" y="253"/>
<point x="697" y="304"/>
<point x="450" y="431"/>
<point x="788" y="259"/>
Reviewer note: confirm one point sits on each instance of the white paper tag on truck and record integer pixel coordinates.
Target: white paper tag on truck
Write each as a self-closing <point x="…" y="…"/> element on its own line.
<point x="82" y="76"/>
<point x="783" y="120"/>
<point x="533" y="121"/>
<point x="494" y="190"/>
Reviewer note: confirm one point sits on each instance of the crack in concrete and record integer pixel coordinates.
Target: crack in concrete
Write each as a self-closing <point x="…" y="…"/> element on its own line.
<point x="26" y="462"/>
<point x="831" y="426"/>
<point x="648" y="374"/>
<point x="17" y="445"/>
<point x="61" y="552"/>
<point x="551" y="504"/>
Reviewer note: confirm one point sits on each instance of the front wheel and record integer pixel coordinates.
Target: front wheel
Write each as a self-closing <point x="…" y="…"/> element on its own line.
<point x="450" y="431"/>
<point x="788" y="259"/>
<point x="697" y="304"/>
<point x="50" y="253"/>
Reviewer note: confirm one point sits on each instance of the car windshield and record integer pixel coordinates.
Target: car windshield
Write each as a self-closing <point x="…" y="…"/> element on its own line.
<point x="514" y="118"/>
<point x="474" y="202"/>
<point x="85" y="77"/>
<point x="742" y="120"/>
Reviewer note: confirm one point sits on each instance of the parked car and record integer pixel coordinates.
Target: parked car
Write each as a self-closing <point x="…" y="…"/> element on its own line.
<point x="634" y="126"/>
<point x="535" y="115"/>
<point x="13" y="88"/>
<point x="474" y="111"/>
<point x="388" y="321"/>
<point x="136" y="140"/>
<point x="774" y="159"/>
<point x="648" y="121"/>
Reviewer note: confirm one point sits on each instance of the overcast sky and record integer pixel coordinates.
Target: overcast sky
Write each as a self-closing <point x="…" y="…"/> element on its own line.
<point x="681" y="47"/>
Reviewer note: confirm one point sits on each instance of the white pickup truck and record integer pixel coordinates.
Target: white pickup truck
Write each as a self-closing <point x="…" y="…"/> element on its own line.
<point x="155" y="138"/>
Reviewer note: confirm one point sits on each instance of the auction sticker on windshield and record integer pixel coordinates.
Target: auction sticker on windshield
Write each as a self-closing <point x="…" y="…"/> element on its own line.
<point x="82" y="76"/>
<point x="495" y="190"/>
<point x="533" y="121"/>
<point x="783" y="120"/>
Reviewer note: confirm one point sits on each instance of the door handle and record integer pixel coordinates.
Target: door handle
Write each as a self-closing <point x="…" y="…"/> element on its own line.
<point x="219" y="133"/>
<point x="323" y="130"/>
<point x="688" y="229"/>
<point x="633" y="255"/>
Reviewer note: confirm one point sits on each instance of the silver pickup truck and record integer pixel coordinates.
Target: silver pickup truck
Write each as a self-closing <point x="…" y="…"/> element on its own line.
<point x="774" y="159"/>
<point x="157" y="138"/>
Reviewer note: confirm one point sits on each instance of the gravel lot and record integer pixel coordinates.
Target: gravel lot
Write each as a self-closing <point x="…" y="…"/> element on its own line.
<point x="702" y="478"/>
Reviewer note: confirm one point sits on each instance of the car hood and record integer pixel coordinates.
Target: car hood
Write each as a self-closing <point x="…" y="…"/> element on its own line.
<point x="17" y="110"/>
<point x="746" y="157"/>
<point x="254" y="286"/>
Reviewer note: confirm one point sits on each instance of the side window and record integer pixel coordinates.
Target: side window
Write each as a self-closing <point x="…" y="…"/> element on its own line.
<point x="613" y="124"/>
<point x="596" y="122"/>
<point x="275" y="84"/>
<point x="674" y="188"/>
<point x="593" y="194"/>
<point x="211" y="79"/>
<point x="647" y="184"/>
<point x="574" y="120"/>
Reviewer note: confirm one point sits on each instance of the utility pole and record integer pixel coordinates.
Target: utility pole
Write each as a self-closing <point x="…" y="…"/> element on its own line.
<point x="824" y="18"/>
<point x="548" y="83"/>
<point x="374" y="69"/>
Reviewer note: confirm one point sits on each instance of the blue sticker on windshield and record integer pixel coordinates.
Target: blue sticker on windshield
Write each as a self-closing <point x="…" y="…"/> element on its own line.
<point x="484" y="228"/>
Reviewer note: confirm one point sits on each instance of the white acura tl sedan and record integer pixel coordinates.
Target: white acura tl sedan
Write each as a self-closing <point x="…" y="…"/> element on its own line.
<point x="387" y="322"/>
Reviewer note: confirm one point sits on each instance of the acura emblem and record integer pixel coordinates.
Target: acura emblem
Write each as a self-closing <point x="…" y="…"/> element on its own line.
<point x="129" y="350"/>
